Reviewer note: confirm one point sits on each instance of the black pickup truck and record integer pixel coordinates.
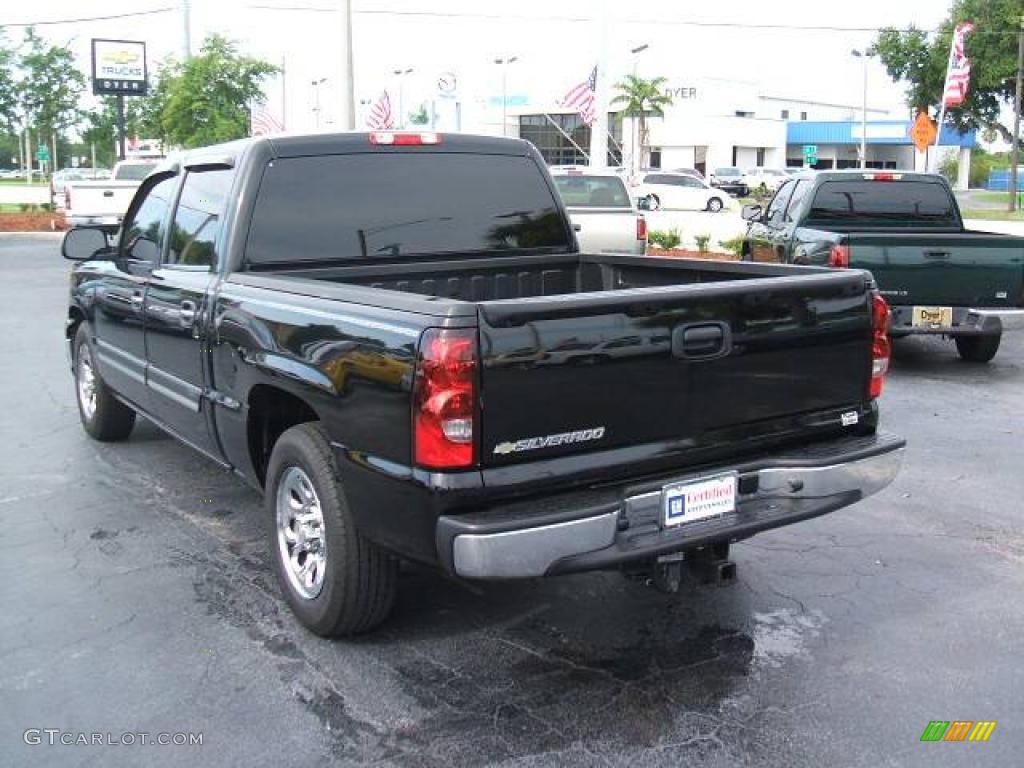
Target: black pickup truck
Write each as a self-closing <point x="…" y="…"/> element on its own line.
<point x="938" y="277"/>
<point x="394" y="337"/>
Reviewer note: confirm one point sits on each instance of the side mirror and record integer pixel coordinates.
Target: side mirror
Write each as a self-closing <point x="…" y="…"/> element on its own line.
<point x="82" y="243"/>
<point x="751" y="212"/>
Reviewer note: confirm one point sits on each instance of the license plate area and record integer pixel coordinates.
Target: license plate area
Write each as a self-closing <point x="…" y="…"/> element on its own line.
<point x="699" y="499"/>
<point x="932" y="317"/>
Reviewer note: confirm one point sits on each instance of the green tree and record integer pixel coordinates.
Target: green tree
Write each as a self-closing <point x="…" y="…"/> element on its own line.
<point x="100" y="129"/>
<point x="205" y="100"/>
<point x="918" y="58"/>
<point x="642" y="99"/>
<point x="50" y="87"/>
<point x="8" y="86"/>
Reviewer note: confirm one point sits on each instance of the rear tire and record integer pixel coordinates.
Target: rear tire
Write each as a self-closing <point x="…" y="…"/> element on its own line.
<point x="978" y="349"/>
<point x="654" y="203"/>
<point x="336" y="582"/>
<point x="103" y="416"/>
<point x="715" y="205"/>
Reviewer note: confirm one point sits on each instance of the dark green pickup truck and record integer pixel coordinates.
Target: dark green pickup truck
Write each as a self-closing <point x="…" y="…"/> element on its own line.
<point x="938" y="277"/>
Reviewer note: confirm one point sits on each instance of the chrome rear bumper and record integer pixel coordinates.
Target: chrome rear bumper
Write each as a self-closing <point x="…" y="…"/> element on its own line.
<point x="782" y="490"/>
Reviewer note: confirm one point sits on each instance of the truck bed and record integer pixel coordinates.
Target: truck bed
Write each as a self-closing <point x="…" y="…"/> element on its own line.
<point x="504" y="278"/>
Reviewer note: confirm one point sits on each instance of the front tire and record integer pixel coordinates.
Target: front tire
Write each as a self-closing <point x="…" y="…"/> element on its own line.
<point x="336" y="582"/>
<point x="103" y="416"/>
<point x="978" y="349"/>
<point x="715" y="205"/>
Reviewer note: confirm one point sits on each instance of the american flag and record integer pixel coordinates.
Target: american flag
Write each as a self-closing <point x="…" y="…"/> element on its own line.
<point x="958" y="73"/>
<point x="262" y="122"/>
<point x="581" y="98"/>
<point x="380" y="117"/>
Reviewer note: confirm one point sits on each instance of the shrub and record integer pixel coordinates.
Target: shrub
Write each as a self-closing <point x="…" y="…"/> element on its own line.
<point x="48" y="207"/>
<point x="667" y="240"/>
<point x="702" y="241"/>
<point x="733" y="245"/>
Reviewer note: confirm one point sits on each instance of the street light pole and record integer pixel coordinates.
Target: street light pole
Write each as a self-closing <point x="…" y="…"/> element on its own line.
<point x="863" y="56"/>
<point x="1015" y="153"/>
<point x="400" y="74"/>
<point x="503" y="62"/>
<point x="316" y="97"/>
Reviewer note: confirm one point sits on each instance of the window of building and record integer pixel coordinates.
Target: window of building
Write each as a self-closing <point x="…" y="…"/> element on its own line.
<point x="803" y="115"/>
<point x="554" y="143"/>
<point x="741" y="113"/>
<point x="655" y="157"/>
<point x="785" y="114"/>
<point x="760" y="157"/>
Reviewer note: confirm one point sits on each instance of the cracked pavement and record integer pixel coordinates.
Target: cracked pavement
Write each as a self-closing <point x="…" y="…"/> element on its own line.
<point x="131" y="604"/>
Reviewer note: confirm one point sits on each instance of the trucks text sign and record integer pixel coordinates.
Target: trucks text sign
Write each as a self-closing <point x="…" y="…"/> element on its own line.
<point x="119" y="67"/>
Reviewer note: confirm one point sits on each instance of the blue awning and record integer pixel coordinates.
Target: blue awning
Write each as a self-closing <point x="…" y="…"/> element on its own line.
<point x="878" y="132"/>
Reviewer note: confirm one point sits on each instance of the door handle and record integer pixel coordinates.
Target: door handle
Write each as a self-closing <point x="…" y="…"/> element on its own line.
<point x="702" y="341"/>
<point x="187" y="313"/>
<point x="577" y="227"/>
<point x="137" y="299"/>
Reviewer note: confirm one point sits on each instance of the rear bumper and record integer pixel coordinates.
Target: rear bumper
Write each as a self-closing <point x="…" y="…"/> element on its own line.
<point x="593" y="530"/>
<point x="967" y="321"/>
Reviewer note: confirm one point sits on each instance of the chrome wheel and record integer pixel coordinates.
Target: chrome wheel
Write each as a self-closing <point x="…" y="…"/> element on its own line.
<point x="86" y="378"/>
<point x="301" y="541"/>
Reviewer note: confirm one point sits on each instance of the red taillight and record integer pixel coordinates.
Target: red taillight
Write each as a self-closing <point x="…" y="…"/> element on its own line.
<point x="404" y="139"/>
<point x="883" y="176"/>
<point x="641" y="228"/>
<point x="444" y="403"/>
<point x="839" y="257"/>
<point x="881" y="347"/>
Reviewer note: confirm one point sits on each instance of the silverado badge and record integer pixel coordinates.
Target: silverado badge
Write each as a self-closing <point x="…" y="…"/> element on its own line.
<point x="548" y="441"/>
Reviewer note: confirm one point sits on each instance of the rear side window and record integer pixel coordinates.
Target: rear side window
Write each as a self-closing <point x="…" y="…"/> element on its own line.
<point x="898" y="203"/>
<point x="592" y="191"/>
<point x="197" y="218"/>
<point x="376" y="205"/>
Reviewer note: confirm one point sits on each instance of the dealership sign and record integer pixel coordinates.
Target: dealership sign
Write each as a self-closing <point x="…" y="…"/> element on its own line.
<point x="119" y="67"/>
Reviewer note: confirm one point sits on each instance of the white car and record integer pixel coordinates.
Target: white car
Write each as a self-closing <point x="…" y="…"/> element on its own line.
<point x="679" y="191"/>
<point x="771" y="178"/>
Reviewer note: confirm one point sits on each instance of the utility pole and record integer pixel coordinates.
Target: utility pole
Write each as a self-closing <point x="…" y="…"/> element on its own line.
<point x="186" y="22"/>
<point x="348" y="100"/>
<point x="863" y="56"/>
<point x="316" y="96"/>
<point x="599" y="130"/>
<point x="120" y="127"/>
<point x="1015" y="153"/>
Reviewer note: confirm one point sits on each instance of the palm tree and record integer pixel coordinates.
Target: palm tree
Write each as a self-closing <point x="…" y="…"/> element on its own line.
<point x="642" y="99"/>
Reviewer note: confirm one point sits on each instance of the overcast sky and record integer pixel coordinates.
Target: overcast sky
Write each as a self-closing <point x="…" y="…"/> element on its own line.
<point x="556" y="42"/>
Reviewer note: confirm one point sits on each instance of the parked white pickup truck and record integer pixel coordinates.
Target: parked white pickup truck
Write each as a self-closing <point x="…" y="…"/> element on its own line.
<point x="601" y="210"/>
<point x="105" y="201"/>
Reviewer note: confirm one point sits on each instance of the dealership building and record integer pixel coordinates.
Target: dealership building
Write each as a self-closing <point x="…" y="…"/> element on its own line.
<point x="716" y="122"/>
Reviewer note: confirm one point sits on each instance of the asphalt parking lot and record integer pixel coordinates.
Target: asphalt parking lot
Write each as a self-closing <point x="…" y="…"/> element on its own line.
<point x="137" y="597"/>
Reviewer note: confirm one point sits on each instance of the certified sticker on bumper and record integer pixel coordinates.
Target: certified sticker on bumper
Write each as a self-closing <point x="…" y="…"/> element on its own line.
<point x="698" y="499"/>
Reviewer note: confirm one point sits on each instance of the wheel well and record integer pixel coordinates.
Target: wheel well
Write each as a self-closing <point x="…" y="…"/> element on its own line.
<point x="271" y="412"/>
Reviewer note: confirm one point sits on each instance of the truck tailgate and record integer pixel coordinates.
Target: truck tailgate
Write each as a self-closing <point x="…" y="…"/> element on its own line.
<point x="570" y="374"/>
<point x="961" y="269"/>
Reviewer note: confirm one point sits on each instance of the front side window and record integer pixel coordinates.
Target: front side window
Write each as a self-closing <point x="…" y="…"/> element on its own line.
<point x="778" y="203"/>
<point x="799" y="193"/>
<point x="197" y="218"/>
<point x="143" y="233"/>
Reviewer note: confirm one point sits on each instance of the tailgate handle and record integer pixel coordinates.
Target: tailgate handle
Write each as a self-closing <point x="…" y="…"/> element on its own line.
<point x="944" y="255"/>
<point x="703" y="341"/>
<point x="108" y="193"/>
